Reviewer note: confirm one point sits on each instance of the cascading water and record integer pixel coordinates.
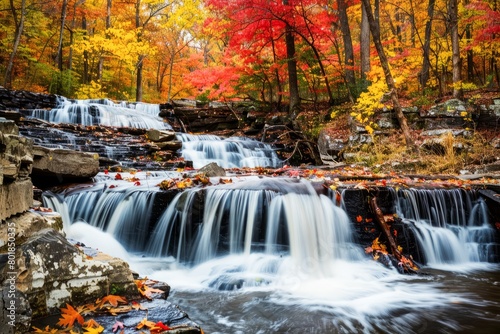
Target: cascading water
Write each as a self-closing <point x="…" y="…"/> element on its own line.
<point x="284" y="253"/>
<point x="103" y="112"/>
<point x="233" y="152"/>
<point x="451" y="225"/>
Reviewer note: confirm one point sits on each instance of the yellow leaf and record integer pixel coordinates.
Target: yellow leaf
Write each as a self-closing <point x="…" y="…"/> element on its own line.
<point x="91" y="330"/>
<point x="145" y="323"/>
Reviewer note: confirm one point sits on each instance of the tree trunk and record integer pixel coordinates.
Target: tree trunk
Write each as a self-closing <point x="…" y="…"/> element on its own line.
<point x="348" y="48"/>
<point x="138" y="90"/>
<point x="455" y="47"/>
<point x="7" y="82"/>
<point x="86" y="74"/>
<point x="170" y="75"/>
<point x="365" y="44"/>
<point x="277" y="75"/>
<point x="424" y="74"/>
<point x="375" y="30"/>
<point x="59" y="57"/>
<point x="293" y="82"/>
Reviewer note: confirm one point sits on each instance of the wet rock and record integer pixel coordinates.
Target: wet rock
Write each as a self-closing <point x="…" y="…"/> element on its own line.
<point x="52" y="272"/>
<point x="160" y="135"/>
<point x="173" y="145"/>
<point x="57" y="166"/>
<point x="212" y="170"/>
<point x="11" y="115"/>
<point x="19" y="99"/>
<point x="157" y="310"/>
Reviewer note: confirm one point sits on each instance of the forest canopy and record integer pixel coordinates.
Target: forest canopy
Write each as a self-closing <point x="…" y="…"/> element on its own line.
<point x="276" y="52"/>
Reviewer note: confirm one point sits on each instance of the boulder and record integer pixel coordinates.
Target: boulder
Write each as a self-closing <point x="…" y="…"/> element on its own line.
<point x="51" y="272"/>
<point x="54" y="165"/>
<point x="160" y="135"/>
<point x="212" y="170"/>
<point x="330" y="148"/>
<point x="172" y="145"/>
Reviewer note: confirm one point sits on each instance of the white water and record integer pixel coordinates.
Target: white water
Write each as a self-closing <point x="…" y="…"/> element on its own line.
<point x="104" y="112"/>
<point x="302" y="262"/>
<point x="451" y="227"/>
<point x="233" y="152"/>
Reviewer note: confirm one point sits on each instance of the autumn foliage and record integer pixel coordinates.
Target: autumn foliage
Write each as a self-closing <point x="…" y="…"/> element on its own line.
<point x="159" y="50"/>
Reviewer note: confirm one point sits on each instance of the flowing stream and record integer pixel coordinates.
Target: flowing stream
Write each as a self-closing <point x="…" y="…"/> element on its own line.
<point x="103" y="112"/>
<point x="270" y="255"/>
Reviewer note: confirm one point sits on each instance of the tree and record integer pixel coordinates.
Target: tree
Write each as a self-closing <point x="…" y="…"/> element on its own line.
<point x="19" y="22"/>
<point x="424" y="74"/>
<point x="293" y="84"/>
<point x="153" y="8"/>
<point x="455" y="45"/>
<point x="348" y="48"/>
<point x="375" y="31"/>
<point x="364" y="44"/>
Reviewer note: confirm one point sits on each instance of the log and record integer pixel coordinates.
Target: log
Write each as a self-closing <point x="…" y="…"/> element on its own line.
<point x="407" y="264"/>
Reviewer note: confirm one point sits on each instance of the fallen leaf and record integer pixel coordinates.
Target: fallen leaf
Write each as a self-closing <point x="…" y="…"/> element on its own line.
<point x="113" y="300"/>
<point x="68" y="317"/>
<point x="145" y="323"/>
<point x="118" y="325"/>
<point x="91" y="323"/>
<point x="92" y="330"/>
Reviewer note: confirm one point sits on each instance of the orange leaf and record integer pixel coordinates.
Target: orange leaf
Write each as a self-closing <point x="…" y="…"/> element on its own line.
<point x="359" y="219"/>
<point x="112" y="300"/>
<point x="91" y="324"/>
<point x="68" y="317"/>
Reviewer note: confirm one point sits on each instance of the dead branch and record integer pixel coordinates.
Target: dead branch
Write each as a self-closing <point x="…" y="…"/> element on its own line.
<point x="407" y="264"/>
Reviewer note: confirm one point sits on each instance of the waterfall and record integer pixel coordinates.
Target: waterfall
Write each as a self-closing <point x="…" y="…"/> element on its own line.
<point x="233" y="152"/>
<point x="103" y="112"/>
<point x="451" y="225"/>
<point x="118" y="207"/>
<point x="282" y="216"/>
<point x="275" y="255"/>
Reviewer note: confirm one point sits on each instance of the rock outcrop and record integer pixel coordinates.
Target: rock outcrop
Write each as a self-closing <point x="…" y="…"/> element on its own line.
<point x="19" y="99"/>
<point x="16" y="160"/>
<point x="56" y="165"/>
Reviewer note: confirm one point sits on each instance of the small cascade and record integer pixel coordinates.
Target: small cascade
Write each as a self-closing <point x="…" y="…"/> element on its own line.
<point x="271" y="216"/>
<point x="451" y="225"/>
<point x="233" y="152"/>
<point x="119" y="207"/>
<point x="103" y="112"/>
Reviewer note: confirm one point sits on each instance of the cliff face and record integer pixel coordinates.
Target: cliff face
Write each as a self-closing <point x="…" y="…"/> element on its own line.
<point x="16" y="161"/>
<point x="40" y="271"/>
